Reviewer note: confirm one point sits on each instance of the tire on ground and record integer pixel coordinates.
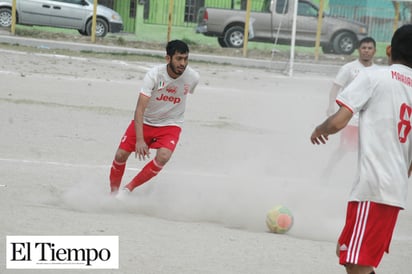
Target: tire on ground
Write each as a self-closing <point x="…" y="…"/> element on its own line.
<point x="101" y="27"/>
<point x="234" y="37"/>
<point x="5" y="17"/>
<point x="344" y="43"/>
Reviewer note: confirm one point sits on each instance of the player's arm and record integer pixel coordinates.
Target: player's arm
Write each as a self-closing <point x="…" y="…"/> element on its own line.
<point x="332" y="98"/>
<point x="142" y="150"/>
<point x="331" y="125"/>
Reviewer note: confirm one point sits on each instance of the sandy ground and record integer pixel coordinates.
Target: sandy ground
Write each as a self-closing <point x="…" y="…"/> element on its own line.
<point x="244" y="149"/>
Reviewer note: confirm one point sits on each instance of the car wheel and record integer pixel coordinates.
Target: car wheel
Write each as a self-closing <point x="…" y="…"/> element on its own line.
<point x="344" y="43"/>
<point x="101" y="27"/>
<point x="5" y="17"/>
<point x="234" y="37"/>
<point x="82" y="32"/>
<point x="221" y="42"/>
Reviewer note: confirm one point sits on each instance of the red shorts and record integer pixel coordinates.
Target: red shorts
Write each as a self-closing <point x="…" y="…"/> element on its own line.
<point x="155" y="137"/>
<point x="367" y="233"/>
<point x="349" y="138"/>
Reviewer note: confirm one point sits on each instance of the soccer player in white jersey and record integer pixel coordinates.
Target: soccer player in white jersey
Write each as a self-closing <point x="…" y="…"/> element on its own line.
<point x="383" y="98"/>
<point x="158" y="117"/>
<point x="346" y="74"/>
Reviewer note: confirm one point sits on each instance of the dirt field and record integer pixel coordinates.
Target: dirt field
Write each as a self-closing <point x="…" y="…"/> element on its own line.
<point x="244" y="149"/>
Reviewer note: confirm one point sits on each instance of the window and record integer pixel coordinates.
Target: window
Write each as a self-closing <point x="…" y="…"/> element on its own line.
<point x="305" y="9"/>
<point x="282" y="6"/>
<point x="76" y="2"/>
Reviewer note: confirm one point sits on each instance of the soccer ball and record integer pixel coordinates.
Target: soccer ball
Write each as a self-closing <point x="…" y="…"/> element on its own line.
<point x="279" y="219"/>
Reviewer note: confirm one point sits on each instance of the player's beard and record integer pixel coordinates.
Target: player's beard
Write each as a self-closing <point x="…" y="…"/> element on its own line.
<point x="366" y="57"/>
<point x="175" y="71"/>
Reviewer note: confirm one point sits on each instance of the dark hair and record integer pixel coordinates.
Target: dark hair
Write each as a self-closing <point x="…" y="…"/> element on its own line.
<point x="401" y="45"/>
<point x="176" y="45"/>
<point x="367" y="40"/>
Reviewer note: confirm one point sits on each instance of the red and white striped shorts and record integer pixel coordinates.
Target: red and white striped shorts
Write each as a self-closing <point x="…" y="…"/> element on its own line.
<point x="367" y="233"/>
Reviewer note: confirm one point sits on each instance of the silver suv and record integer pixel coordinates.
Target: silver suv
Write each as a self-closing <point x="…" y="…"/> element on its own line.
<point x="70" y="14"/>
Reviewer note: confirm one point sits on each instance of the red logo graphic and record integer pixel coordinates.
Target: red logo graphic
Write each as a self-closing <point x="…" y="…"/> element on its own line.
<point x="186" y="89"/>
<point x="172" y="99"/>
<point x="171" y="89"/>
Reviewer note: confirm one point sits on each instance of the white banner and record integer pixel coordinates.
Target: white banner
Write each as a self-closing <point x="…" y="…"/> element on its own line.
<point x="62" y="252"/>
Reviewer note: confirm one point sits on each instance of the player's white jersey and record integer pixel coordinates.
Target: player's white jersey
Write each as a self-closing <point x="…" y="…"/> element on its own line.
<point x="348" y="72"/>
<point x="345" y="76"/>
<point x="167" y="95"/>
<point x="383" y="97"/>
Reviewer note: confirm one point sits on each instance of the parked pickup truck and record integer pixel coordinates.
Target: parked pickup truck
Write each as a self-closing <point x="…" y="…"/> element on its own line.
<point x="273" y="24"/>
<point x="71" y="14"/>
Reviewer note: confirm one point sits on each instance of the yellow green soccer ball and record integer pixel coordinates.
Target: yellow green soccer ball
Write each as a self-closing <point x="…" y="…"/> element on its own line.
<point x="279" y="219"/>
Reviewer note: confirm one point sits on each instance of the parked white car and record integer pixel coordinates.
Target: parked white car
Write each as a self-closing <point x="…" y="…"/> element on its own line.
<point x="70" y="14"/>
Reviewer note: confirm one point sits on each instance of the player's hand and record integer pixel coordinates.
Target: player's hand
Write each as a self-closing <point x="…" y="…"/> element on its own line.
<point x="317" y="137"/>
<point x="142" y="150"/>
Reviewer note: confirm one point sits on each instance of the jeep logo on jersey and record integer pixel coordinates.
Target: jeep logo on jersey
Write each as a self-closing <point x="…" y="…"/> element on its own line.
<point x="172" y="99"/>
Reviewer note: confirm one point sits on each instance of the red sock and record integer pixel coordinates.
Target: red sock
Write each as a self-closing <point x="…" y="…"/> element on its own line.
<point x="116" y="174"/>
<point x="149" y="171"/>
